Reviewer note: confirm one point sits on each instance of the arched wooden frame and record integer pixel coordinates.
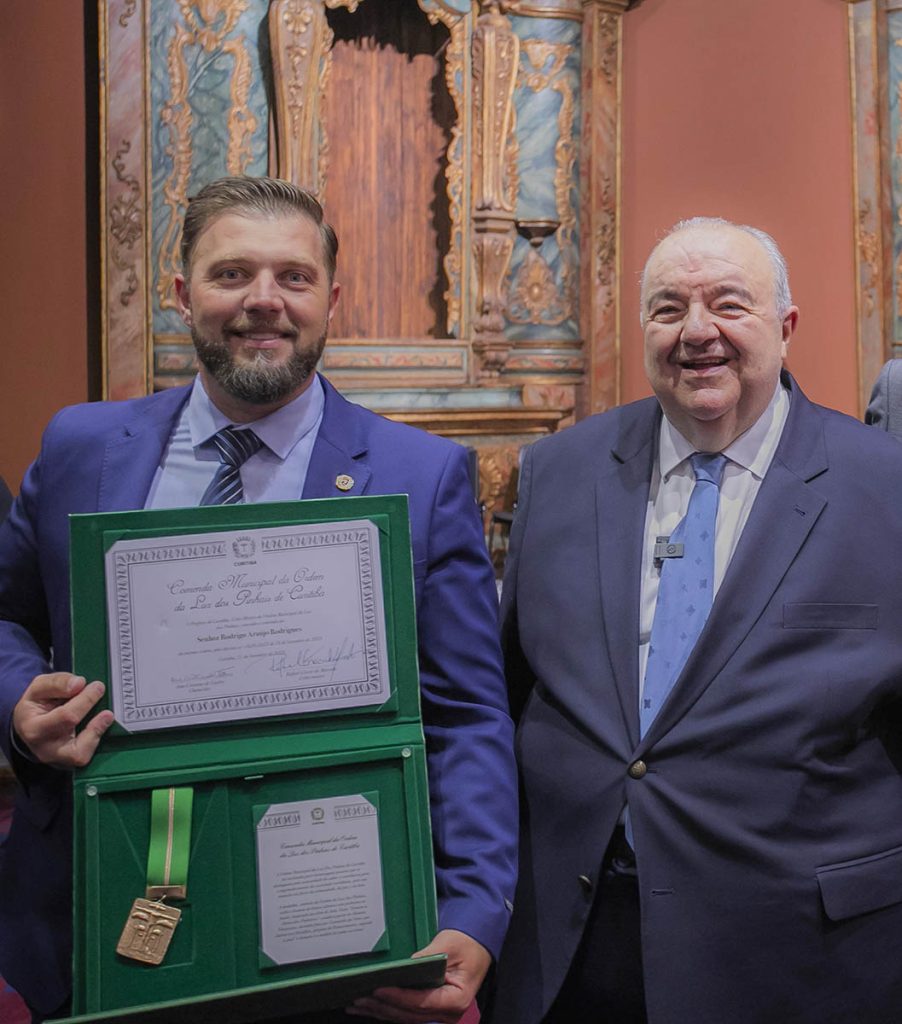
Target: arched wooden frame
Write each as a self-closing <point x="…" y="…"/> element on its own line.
<point x="484" y="384"/>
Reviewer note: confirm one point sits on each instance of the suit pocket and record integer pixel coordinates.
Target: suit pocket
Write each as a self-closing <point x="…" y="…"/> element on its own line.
<point x="830" y="616"/>
<point x="859" y="886"/>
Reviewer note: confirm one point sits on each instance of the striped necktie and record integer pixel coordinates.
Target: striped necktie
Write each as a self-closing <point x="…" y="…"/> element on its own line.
<point x="235" y="447"/>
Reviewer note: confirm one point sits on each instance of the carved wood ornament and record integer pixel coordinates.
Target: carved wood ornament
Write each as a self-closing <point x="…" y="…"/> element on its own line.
<point x="496" y="52"/>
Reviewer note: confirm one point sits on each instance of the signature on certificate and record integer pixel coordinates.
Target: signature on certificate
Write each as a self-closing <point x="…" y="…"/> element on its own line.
<point x="326" y="656"/>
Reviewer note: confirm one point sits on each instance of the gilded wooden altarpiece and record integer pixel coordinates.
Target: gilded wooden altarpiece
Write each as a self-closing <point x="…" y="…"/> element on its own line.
<point x="528" y="339"/>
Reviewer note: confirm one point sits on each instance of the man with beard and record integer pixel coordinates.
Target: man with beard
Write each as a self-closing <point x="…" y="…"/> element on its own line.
<point x="258" y="293"/>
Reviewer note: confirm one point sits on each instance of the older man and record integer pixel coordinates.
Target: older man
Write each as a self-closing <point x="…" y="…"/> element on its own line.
<point x="258" y="293"/>
<point x="701" y="621"/>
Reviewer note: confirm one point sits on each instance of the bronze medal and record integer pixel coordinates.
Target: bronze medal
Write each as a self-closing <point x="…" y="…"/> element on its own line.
<point x="148" y="931"/>
<point x="151" y="922"/>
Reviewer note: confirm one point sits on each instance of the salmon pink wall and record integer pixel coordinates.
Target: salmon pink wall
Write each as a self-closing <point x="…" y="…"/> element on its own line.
<point x="42" y="222"/>
<point x="741" y="109"/>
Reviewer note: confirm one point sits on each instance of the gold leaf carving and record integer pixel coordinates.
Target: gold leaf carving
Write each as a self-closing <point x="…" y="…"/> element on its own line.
<point x="609" y="29"/>
<point x="125" y="222"/>
<point x="454" y="72"/>
<point x="205" y="24"/>
<point x="606" y="233"/>
<point x="301" y="43"/>
<point x="496" y="56"/>
<point x="534" y="292"/>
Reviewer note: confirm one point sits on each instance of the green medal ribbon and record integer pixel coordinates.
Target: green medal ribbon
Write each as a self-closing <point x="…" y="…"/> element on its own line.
<point x="170" y="843"/>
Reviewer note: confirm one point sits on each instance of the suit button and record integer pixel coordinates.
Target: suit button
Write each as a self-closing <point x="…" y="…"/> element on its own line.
<point x="638" y="769"/>
<point x="586" y="883"/>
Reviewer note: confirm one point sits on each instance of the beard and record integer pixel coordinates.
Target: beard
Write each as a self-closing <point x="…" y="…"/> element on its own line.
<point x="258" y="380"/>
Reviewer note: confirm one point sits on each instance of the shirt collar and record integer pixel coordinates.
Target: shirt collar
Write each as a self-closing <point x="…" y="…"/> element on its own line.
<point x="280" y="431"/>
<point x="753" y="450"/>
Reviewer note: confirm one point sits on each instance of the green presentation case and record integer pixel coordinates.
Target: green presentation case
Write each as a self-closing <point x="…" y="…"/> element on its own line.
<point x="215" y="968"/>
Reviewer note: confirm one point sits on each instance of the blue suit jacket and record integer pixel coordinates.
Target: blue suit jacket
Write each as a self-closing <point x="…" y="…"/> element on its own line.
<point x="768" y="825"/>
<point x="102" y="457"/>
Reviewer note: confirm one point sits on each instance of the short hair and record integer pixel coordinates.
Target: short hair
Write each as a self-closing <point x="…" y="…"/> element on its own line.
<point x="271" y="197"/>
<point x="779" y="268"/>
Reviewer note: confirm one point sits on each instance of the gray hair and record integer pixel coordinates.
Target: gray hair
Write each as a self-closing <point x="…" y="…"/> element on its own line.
<point x="782" y="294"/>
<point x="270" y="197"/>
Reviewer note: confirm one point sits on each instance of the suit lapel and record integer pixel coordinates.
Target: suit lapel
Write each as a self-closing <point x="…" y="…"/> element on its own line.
<point x="784" y="514"/>
<point x="621" y="500"/>
<point x="337" y="468"/>
<point x="133" y="454"/>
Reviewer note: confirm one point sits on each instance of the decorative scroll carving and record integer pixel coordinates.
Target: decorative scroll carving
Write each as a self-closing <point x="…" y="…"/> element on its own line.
<point x="206" y="24"/>
<point x="869" y="251"/>
<point x="301" y="42"/>
<point x="495" y="55"/>
<point x="608" y="57"/>
<point x="495" y="58"/>
<point x="130" y="7"/>
<point x="454" y="78"/>
<point x="606" y="239"/>
<point x="125" y="222"/>
<point x="534" y="296"/>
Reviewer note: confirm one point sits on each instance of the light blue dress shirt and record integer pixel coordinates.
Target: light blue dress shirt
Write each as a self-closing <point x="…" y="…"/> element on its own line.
<point x="275" y="473"/>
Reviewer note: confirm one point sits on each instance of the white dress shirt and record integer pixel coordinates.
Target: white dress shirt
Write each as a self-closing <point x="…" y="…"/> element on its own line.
<point x="274" y="473"/>
<point x="749" y="457"/>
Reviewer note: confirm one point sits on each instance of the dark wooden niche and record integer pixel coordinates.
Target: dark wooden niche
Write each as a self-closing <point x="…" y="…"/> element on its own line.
<point x="388" y="115"/>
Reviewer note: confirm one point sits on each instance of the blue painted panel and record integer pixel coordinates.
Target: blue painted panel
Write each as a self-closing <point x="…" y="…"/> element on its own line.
<point x="180" y="64"/>
<point x="453" y="6"/>
<point x="538" y="136"/>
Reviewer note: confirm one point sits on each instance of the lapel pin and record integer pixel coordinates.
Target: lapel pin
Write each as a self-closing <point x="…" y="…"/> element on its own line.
<point x="344" y="482"/>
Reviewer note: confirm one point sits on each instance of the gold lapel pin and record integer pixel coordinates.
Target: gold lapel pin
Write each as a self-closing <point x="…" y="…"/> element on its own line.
<point x="344" y="482"/>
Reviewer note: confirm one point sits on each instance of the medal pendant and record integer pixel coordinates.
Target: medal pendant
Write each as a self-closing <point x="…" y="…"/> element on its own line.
<point x="148" y="931"/>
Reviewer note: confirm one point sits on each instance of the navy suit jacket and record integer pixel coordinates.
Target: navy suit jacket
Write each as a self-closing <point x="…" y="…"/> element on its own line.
<point x="768" y="820"/>
<point x="102" y="457"/>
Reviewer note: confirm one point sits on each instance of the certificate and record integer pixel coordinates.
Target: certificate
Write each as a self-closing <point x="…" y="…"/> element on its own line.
<point x="216" y="627"/>
<point x="319" y="871"/>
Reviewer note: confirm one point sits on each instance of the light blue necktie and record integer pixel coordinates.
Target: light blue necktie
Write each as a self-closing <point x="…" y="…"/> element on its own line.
<point x="686" y="588"/>
<point x="235" y="447"/>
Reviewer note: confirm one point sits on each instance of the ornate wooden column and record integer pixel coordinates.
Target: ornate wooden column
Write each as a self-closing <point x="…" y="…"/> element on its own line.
<point x="600" y="207"/>
<point x="496" y="52"/>
<point x="875" y="38"/>
<point x="126" y="348"/>
<point x="300" y="40"/>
